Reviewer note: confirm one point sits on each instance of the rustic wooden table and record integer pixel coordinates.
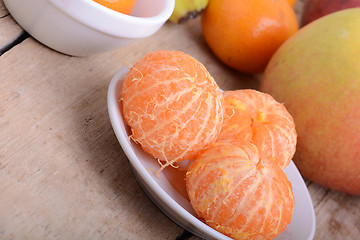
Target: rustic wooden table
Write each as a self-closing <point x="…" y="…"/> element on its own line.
<point x="63" y="174"/>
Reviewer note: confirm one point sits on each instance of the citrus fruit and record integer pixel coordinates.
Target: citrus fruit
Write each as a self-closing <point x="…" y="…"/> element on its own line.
<point x="172" y="105"/>
<point x="122" y="6"/>
<point x="244" y="34"/>
<point x="234" y="193"/>
<point x="257" y="117"/>
<point x="291" y="2"/>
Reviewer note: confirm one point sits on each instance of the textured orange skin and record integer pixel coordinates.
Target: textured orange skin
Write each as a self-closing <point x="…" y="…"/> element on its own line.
<point x="230" y="188"/>
<point x="172" y="105"/>
<point x="257" y="117"/>
<point x="316" y="74"/>
<point x="244" y="34"/>
<point x="122" y="6"/>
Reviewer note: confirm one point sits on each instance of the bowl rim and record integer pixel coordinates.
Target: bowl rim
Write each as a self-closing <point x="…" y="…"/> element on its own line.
<point x="111" y="22"/>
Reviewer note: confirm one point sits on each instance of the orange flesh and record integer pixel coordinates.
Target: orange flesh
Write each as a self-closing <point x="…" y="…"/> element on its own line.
<point x="122" y="6"/>
<point x="172" y="105"/>
<point x="256" y="117"/>
<point x="176" y="178"/>
<point x="235" y="194"/>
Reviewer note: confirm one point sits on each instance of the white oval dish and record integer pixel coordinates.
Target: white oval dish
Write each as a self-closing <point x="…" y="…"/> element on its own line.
<point x="84" y="27"/>
<point x="170" y="195"/>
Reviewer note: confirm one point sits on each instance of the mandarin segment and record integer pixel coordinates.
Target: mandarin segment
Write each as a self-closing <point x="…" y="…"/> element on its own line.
<point x="172" y="105"/>
<point x="257" y="117"/>
<point x="234" y="193"/>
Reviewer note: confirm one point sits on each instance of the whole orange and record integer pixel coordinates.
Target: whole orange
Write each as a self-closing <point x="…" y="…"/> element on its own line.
<point x="244" y="34"/>
<point x="231" y="189"/>
<point x="122" y="6"/>
<point x="172" y="105"/>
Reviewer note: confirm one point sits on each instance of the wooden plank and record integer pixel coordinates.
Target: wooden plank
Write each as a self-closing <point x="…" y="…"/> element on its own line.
<point x="9" y="29"/>
<point x="337" y="214"/>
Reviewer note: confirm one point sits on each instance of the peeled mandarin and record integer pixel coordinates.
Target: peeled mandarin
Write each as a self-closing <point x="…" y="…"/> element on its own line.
<point x="172" y="105"/>
<point x="234" y="193"/>
<point x="257" y="117"/>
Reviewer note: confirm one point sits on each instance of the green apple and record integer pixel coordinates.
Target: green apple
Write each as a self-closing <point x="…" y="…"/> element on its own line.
<point x="316" y="74"/>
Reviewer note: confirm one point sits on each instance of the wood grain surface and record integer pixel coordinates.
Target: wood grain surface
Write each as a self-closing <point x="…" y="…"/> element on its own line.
<point x="63" y="174"/>
<point x="9" y="30"/>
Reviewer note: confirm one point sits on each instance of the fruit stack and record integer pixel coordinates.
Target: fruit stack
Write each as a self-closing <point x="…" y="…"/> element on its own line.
<point x="238" y="142"/>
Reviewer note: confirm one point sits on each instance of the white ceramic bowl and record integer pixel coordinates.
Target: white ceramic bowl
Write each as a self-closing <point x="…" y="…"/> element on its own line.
<point x="169" y="194"/>
<point x="84" y="27"/>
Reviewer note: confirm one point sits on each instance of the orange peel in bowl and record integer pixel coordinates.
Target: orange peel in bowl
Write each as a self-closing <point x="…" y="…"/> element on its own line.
<point x="257" y="117"/>
<point x="234" y="193"/>
<point x="172" y="105"/>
